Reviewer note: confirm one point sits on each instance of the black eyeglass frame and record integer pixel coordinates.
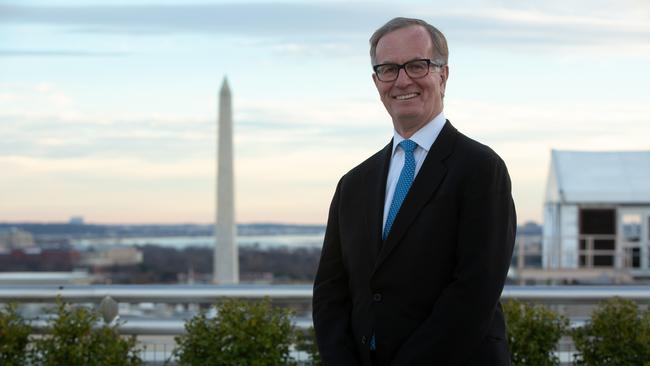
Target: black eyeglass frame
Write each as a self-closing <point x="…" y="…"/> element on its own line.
<point x="403" y="66"/>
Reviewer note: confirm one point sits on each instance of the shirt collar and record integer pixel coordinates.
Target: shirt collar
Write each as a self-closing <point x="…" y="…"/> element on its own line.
<point x="425" y="136"/>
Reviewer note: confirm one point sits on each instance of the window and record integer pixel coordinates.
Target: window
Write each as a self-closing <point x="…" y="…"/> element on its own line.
<point x="631" y="226"/>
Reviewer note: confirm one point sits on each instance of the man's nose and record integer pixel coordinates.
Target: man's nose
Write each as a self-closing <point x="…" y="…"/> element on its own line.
<point x="402" y="78"/>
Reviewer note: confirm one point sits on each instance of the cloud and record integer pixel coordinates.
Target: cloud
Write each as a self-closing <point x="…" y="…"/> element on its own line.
<point x="478" y="22"/>
<point x="263" y="127"/>
<point x="58" y="53"/>
<point x="234" y="18"/>
<point x="572" y="124"/>
<point x="128" y="168"/>
<point x="53" y="137"/>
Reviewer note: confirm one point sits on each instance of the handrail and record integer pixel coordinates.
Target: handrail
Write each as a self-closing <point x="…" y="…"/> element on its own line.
<point x="152" y="293"/>
<point x="204" y="294"/>
<point x="583" y="256"/>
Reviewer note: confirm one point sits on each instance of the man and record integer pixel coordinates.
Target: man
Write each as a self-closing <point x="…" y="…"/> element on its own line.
<point x="419" y="236"/>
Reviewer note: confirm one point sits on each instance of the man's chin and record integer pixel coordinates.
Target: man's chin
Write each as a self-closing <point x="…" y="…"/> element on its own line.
<point x="408" y="125"/>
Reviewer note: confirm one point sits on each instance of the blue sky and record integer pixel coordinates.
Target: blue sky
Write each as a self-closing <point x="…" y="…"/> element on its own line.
<point x="108" y="109"/>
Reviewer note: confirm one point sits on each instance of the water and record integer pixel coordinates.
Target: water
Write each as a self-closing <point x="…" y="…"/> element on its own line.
<point x="180" y="242"/>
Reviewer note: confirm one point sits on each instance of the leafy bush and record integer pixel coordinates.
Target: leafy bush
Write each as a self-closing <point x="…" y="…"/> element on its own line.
<point x="14" y="337"/>
<point x="618" y="334"/>
<point x="533" y="333"/>
<point x="72" y="341"/>
<point x="242" y="334"/>
<point x="306" y="342"/>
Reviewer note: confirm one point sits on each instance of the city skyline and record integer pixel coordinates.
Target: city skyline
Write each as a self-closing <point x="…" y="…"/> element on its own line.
<point x="108" y="110"/>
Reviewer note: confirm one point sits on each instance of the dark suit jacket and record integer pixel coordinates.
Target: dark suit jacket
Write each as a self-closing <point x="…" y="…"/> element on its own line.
<point x="430" y="292"/>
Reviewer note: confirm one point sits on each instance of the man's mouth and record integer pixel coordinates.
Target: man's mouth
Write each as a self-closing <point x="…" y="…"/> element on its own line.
<point x="406" y="96"/>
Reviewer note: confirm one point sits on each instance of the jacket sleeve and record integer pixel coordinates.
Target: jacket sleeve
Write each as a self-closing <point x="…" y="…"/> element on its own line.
<point x="331" y="299"/>
<point x="485" y="238"/>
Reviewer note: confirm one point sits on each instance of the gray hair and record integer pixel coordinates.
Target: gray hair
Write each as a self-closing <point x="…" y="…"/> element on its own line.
<point x="440" y="51"/>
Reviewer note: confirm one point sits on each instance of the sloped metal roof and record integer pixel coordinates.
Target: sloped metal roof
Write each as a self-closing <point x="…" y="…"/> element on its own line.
<point x="599" y="177"/>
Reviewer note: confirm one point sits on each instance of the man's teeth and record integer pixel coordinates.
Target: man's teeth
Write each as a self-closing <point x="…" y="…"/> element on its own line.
<point x="406" y="96"/>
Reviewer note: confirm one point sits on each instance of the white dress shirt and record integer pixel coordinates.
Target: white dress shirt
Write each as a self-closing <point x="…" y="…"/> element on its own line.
<point x="424" y="137"/>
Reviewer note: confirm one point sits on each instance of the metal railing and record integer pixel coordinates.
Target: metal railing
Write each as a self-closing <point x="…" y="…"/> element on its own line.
<point x="205" y="294"/>
<point x="155" y="330"/>
<point x="151" y="329"/>
<point x="588" y="257"/>
<point x="169" y="294"/>
<point x="585" y="248"/>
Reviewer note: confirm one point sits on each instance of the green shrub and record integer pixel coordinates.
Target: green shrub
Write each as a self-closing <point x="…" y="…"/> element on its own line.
<point x="618" y="334"/>
<point x="72" y="341"/>
<point x="306" y="342"/>
<point x="533" y="333"/>
<point x="242" y="334"/>
<point x="14" y="337"/>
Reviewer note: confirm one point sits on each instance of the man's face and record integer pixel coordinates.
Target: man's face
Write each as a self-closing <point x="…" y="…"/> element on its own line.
<point x="411" y="103"/>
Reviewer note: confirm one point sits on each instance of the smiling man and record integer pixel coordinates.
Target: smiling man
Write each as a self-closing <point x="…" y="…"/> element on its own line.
<point x="419" y="236"/>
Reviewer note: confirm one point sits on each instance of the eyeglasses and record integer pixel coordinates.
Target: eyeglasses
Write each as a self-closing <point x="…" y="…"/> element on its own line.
<point x="414" y="69"/>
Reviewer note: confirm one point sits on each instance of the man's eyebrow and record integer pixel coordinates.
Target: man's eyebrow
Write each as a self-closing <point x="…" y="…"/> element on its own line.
<point x="396" y="63"/>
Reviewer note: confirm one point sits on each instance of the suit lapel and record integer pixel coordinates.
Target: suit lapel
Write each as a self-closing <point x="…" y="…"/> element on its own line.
<point x="376" y="191"/>
<point x="425" y="184"/>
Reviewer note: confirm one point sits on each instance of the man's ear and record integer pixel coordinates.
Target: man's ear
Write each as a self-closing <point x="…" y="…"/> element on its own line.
<point x="444" y="75"/>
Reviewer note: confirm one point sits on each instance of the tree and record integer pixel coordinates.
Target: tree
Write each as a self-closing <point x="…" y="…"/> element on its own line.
<point x="306" y="342"/>
<point x="72" y="340"/>
<point x="533" y="333"/>
<point x="14" y="337"/>
<point x="618" y="334"/>
<point x="242" y="334"/>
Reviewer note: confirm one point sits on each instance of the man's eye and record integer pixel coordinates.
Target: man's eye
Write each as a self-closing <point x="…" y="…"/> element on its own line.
<point x="416" y="67"/>
<point x="388" y="69"/>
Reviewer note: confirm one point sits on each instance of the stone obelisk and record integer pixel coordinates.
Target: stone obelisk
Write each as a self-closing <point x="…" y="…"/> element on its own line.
<point x="226" y="261"/>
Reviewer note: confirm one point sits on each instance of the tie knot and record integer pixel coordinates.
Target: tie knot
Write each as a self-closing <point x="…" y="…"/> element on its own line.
<point x="408" y="145"/>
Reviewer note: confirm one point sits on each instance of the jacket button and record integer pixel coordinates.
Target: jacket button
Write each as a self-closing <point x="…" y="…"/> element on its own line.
<point x="363" y="340"/>
<point x="376" y="297"/>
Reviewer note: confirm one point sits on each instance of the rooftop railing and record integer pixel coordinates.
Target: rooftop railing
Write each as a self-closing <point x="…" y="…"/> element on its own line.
<point x="156" y="331"/>
<point x="153" y="324"/>
<point x="581" y="258"/>
<point x="206" y="294"/>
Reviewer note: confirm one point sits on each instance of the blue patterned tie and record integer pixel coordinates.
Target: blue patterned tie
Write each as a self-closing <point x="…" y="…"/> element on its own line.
<point x="403" y="184"/>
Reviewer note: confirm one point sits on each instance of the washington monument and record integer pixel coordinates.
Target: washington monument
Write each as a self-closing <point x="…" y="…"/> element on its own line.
<point x="226" y="261"/>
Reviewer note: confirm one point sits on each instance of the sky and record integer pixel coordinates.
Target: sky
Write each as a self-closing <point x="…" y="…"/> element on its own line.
<point x="108" y="108"/>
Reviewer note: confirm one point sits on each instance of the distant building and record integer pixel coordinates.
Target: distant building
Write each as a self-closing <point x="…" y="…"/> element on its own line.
<point x="39" y="259"/>
<point x="597" y="216"/>
<point x="76" y="220"/>
<point x="112" y="256"/>
<point x="14" y="238"/>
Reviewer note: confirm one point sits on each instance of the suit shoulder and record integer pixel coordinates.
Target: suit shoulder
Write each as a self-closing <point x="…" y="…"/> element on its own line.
<point x="482" y="168"/>
<point x="472" y="152"/>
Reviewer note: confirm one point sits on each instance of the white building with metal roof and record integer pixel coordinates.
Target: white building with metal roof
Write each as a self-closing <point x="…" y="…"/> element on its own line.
<point x="597" y="213"/>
